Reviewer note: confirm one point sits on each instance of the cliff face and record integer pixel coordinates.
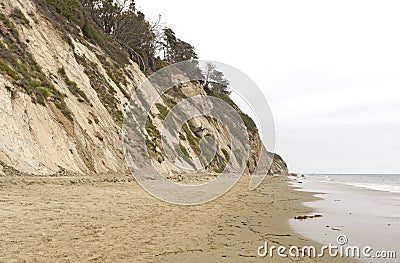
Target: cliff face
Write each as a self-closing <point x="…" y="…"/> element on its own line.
<point x="62" y="101"/>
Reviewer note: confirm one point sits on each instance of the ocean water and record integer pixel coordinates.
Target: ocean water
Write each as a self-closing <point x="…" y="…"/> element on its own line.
<point x="364" y="208"/>
<point x="379" y="182"/>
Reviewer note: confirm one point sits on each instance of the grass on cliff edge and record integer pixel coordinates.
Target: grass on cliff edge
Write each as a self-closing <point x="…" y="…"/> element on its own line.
<point x="71" y="9"/>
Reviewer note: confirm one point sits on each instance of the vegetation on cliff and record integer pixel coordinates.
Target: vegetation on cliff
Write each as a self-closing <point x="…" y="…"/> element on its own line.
<point x="18" y="63"/>
<point x="110" y="23"/>
<point x="86" y="73"/>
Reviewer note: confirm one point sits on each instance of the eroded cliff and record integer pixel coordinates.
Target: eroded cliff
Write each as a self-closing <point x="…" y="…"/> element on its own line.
<point x="62" y="100"/>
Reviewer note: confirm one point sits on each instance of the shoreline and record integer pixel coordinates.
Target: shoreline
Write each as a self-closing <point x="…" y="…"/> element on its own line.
<point x="112" y="219"/>
<point x="366" y="217"/>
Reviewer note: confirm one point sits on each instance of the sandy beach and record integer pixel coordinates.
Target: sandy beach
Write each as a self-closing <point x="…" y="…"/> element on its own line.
<point x="105" y="219"/>
<point x="105" y="104"/>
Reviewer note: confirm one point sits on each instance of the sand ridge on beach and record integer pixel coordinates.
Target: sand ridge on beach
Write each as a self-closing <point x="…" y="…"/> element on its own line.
<point x="114" y="220"/>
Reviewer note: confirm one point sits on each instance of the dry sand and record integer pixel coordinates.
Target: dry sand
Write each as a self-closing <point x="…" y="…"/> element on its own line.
<point x="62" y="219"/>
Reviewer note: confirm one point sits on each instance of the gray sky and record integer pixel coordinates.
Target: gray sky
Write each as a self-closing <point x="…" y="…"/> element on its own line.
<point x="329" y="69"/>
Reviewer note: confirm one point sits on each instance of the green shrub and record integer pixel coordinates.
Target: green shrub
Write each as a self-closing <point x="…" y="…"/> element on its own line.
<point x="62" y="72"/>
<point x="7" y="22"/>
<point x="62" y="106"/>
<point x="72" y="86"/>
<point x="152" y="129"/>
<point x="17" y="13"/>
<point x="83" y="96"/>
<point x="163" y="111"/>
<point x="141" y="97"/>
<point x="191" y="126"/>
<point x="116" y="81"/>
<point x="159" y="63"/>
<point x="71" y="9"/>
<point x="32" y="83"/>
<point x="184" y="150"/>
<point x="44" y="92"/>
<point x="186" y="153"/>
<point x="226" y="154"/>
<point x="193" y="141"/>
<point x="5" y="68"/>
<point x="89" y="29"/>
<point x="171" y="102"/>
<point x="71" y="83"/>
<point x="219" y="170"/>
<point x="250" y="125"/>
<point x="220" y="96"/>
<point x="22" y="68"/>
<point x="20" y="64"/>
<point x="58" y="105"/>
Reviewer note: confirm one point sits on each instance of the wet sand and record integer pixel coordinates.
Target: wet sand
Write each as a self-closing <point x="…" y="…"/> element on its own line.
<point x="63" y="219"/>
<point x="366" y="217"/>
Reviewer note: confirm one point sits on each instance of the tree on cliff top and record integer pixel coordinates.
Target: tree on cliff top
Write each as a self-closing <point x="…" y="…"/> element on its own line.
<point x="215" y="80"/>
<point x="124" y="23"/>
<point x="119" y="20"/>
<point x="176" y="50"/>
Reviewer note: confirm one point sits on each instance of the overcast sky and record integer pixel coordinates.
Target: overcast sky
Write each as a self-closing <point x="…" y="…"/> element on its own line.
<point x="329" y="69"/>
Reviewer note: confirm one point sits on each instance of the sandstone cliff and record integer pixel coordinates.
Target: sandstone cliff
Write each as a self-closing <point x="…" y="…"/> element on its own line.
<point x="62" y="100"/>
